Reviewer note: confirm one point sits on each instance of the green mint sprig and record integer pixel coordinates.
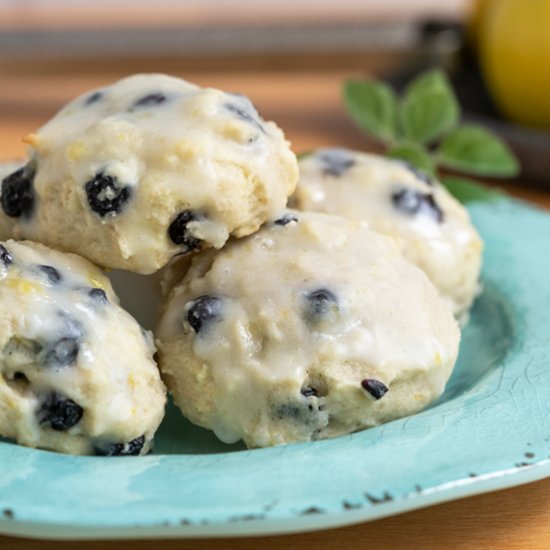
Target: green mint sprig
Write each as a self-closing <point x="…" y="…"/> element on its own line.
<point x="423" y="127"/>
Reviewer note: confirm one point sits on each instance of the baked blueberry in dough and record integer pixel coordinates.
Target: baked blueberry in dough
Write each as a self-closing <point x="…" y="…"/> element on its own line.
<point x="148" y="168"/>
<point x="396" y="199"/>
<point x="76" y="371"/>
<point x="10" y="174"/>
<point x="304" y="330"/>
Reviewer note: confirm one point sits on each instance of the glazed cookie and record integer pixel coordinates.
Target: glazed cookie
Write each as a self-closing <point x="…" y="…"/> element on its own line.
<point x="395" y="199"/>
<point x="150" y="167"/>
<point x="173" y="273"/>
<point x="312" y="327"/>
<point x="76" y="371"/>
<point x="7" y="222"/>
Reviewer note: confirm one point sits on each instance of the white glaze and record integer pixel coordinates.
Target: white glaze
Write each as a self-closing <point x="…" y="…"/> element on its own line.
<point x="449" y="252"/>
<point x="239" y="372"/>
<point x="113" y="378"/>
<point x="190" y="152"/>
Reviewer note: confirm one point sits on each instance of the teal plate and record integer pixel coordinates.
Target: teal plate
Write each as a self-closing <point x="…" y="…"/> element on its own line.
<point x="490" y="430"/>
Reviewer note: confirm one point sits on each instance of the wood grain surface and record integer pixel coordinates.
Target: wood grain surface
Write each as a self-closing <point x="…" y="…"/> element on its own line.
<point x="186" y="13"/>
<point x="308" y="107"/>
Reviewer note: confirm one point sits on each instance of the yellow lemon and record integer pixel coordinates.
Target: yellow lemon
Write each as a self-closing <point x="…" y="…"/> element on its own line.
<point x="514" y="41"/>
<point x="476" y="15"/>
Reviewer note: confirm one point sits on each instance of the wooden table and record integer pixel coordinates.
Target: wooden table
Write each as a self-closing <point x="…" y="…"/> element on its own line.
<point x="308" y="108"/>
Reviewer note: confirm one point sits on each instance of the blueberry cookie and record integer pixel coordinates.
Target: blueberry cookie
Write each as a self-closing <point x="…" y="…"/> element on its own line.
<point x="76" y="371"/>
<point x="395" y="199"/>
<point x="151" y="167"/>
<point x="6" y="222"/>
<point x="312" y="327"/>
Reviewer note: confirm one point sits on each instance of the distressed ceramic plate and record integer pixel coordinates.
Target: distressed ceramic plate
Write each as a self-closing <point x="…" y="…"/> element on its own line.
<point x="490" y="430"/>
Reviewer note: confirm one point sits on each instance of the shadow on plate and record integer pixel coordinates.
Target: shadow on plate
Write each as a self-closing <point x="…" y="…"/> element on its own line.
<point x="486" y="340"/>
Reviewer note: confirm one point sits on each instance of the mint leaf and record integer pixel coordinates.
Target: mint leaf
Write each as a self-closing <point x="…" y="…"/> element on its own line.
<point x="414" y="154"/>
<point x="372" y="105"/>
<point x="466" y="190"/>
<point x="475" y="150"/>
<point x="430" y="79"/>
<point x="429" y="108"/>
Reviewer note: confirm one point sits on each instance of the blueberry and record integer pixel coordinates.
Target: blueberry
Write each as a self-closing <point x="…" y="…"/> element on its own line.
<point x="5" y="256"/>
<point x="63" y="353"/>
<point x="178" y="231"/>
<point x="307" y="414"/>
<point x="71" y="327"/>
<point x="244" y="115"/>
<point x="20" y="377"/>
<point x="286" y="219"/>
<point x="203" y="311"/>
<point x="94" y="98"/>
<point x="319" y="304"/>
<point x="420" y="174"/>
<point x="150" y="100"/>
<point x="132" y="448"/>
<point x="98" y="295"/>
<point x="18" y="193"/>
<point x="288" y="410"/>
<point x="106" y="195"/>
<point x="60" y="412"/>
<point x="53" y="275"/>
<point x="413" y="202"/>
<point x="308" y="391"/>
<point x="374" y="387"/>
<point x="335" y="162"/>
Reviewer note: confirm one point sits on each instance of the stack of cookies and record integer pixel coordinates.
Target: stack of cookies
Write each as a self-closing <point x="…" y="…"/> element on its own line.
<point x="277" y="325"/>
